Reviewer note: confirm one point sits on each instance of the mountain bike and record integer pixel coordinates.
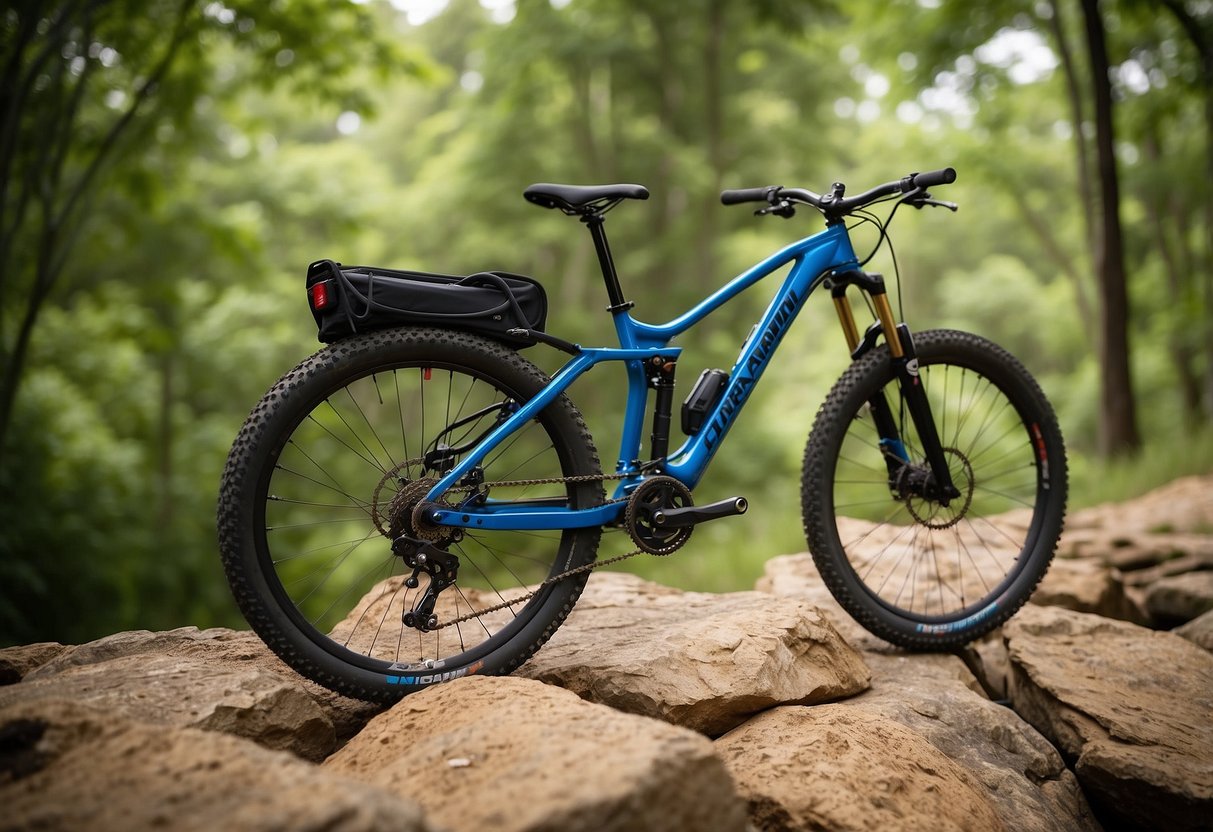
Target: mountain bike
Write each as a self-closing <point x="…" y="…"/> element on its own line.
<point x="417" y="501"/>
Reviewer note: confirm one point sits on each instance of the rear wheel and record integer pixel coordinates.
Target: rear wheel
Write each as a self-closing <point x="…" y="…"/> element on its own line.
<point x="331" y="466"/>
<point x="911" y="569"/>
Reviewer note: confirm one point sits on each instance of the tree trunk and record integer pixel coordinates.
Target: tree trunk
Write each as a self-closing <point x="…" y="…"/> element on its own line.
<point x="1201" y="37"/>
<point x="1082" y="156"/>
<point x="1118" y="413"/>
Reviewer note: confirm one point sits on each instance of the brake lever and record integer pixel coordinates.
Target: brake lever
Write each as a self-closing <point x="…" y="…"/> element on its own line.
<point x="783" y="208"/>
<point x="922" y="201"/>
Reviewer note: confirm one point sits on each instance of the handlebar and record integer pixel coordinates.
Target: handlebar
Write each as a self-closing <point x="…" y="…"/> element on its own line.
<point x="933" y="177"/>
<point x="833" y="205"/>
<point x="740" y="195"/>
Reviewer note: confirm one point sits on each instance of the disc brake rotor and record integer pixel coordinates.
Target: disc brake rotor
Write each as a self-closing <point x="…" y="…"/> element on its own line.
<point x="932" y="513"/>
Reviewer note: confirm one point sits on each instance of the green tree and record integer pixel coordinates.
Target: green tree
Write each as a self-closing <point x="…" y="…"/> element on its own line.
<point x="84" y="84"/>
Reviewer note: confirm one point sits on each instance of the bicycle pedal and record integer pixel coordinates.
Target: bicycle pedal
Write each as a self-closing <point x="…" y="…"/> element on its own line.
<point x="673" y="518"/>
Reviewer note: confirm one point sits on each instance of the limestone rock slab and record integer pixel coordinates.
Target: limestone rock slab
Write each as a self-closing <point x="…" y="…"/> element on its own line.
<point x="834" y="767"/>
<point x="1182" y="505"/>
<point x="512" y="754"/>
<point x="1133" y="708"/>
<point x="16" y="662"/>
<point x="1024" y="778"/>
<point x="1199" y="631"/>
<point x="698" y="660"/>
<point x="170" y="690"/>
<point x="70" y="767"/>
<point x="796" y="576"/>
<point x="1181" y="597"/>
<point x="218" y="646"/>
<point x="1087" y="586"/>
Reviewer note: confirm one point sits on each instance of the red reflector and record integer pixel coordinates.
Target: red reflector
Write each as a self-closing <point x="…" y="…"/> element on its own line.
<point x="320" y="295"/>
<point x="427" y="373"/>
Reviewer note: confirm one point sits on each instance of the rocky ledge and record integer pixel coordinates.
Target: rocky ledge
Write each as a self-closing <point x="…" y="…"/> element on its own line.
<point x="654" y="708"/>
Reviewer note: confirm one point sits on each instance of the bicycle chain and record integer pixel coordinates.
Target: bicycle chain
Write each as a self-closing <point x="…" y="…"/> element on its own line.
<point x="568" y="573"/>
<point x="393" y="506"/>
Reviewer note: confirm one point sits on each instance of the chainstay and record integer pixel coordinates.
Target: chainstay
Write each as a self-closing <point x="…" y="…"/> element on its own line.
<point x="378" y="520"/>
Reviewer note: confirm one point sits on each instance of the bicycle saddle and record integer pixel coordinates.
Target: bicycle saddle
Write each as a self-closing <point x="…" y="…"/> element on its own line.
<point x="581" y="199"/>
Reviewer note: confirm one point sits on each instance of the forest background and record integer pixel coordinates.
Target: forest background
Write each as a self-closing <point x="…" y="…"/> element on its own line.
<point x="170" y="167"/>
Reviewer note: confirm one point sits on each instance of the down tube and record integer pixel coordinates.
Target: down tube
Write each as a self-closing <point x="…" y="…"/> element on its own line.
<point x="690" y="462"/>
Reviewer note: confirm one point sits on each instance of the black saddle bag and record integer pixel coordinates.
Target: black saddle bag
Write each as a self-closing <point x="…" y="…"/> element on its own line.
<point x="348" y="299"/>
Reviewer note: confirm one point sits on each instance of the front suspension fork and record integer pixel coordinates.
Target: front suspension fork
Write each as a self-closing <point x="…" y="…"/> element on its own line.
<point x="905" y="370"/>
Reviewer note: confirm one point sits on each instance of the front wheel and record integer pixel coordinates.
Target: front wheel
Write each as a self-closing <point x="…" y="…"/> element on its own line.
<point x="918" y="571"/>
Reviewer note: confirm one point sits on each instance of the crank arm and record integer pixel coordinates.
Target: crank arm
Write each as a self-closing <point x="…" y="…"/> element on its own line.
<point x="676" y="518"/>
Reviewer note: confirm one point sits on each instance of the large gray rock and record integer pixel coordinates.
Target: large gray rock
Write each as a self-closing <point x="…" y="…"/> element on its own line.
<point x="512" y="754"/>
<point x="838" y="768"/>
<point x="1181" y="597"/>
<point x="69" y="767"/>
<point x="1023" y="777"/>
<point x="218" y="647"/>
<point x="170" y="690"/>
<point x="1131" y="707"/>
<point x="694" y="659"/>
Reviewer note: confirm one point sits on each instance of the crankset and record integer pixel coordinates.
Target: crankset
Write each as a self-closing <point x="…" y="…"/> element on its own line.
<point x="652" y="497"/>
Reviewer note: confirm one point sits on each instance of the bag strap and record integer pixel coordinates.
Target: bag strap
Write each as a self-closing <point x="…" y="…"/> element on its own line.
<point x="500" y="282"/>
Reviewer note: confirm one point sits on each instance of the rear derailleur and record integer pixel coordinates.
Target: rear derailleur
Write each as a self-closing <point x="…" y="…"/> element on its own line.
<point x="442" y="569"/>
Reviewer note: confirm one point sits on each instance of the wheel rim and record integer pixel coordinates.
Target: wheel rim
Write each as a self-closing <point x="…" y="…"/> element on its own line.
<point x="331" y="568"/>
<point x="917" y="558"/>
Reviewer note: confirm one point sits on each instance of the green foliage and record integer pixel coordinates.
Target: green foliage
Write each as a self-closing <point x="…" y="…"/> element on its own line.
<point x="179" y="299"/>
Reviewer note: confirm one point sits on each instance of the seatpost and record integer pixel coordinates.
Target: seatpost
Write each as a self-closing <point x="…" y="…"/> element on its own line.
<point x="614" y="292"/>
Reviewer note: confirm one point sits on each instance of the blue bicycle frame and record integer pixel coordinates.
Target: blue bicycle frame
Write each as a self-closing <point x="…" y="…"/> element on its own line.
<point x="813" y="259"/>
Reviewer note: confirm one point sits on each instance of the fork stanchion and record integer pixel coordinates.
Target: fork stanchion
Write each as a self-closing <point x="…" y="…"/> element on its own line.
<point x="847" y="318"/>
<point x="885" y="313"/>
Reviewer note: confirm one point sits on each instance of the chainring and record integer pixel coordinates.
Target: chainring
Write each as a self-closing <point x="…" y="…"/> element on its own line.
<point x="650" y="496"/>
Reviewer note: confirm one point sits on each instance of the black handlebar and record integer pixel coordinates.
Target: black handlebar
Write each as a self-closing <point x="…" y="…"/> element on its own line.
<point x="740" y="195"/>
<point x="835" y="207"/>
<point x="934" y="177"/>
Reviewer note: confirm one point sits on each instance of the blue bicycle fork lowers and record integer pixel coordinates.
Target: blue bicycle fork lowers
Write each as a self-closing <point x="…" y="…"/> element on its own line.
<point x="645" y="350"/>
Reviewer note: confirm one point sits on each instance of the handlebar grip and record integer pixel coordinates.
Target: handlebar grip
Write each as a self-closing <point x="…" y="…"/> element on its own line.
<point x="934" y="177"/>
<point x="740" y="195"/>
